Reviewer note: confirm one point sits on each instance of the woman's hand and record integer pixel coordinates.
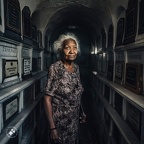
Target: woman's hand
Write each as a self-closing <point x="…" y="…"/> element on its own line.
<point x="83" y="118"/>
<point x="54" y="136"/>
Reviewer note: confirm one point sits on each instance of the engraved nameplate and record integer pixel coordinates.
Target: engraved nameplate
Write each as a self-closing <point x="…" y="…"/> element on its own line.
<point x="10" y="109"/>
<point x="10" y="68"/>
<point x="134" y="77"/>
<point x="26" y="66"/>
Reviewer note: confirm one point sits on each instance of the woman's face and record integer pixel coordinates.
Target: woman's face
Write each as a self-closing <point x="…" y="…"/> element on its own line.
<point x="70" y="50"/>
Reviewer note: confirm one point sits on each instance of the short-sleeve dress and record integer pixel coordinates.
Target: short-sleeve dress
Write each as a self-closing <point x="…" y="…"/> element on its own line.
<point x="66" y="89"/>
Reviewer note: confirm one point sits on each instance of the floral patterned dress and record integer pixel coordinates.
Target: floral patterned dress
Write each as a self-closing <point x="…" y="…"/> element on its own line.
<point x="66" y="89"/>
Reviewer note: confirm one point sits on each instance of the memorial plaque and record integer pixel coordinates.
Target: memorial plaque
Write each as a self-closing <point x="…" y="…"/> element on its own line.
<point x="10" y="109"/>
<point x="120" y="31"/>
<point x="118" y="103"/>
<point x="119" y="71"/>
<point x="12" y="16"/>
<point x="10" y="68"/>
<point x="34" y="64"/>
<point x="27" y="24"/>
<point x="110" y="70"/>
<point x="131" y="22"/>
<point x="110" y="36"/>
<point x="141" y="17"/>
<point x="26" y="66"/>
<point x="133" y="119"/>
<point x="28" y="96"/>
<point x="134" y="77"/>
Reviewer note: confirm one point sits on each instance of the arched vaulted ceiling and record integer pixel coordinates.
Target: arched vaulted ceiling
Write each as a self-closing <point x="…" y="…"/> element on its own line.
<point x="89" y="15"/>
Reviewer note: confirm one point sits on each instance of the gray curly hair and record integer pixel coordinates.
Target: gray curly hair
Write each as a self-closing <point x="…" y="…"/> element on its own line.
<point x="58" y="44"/>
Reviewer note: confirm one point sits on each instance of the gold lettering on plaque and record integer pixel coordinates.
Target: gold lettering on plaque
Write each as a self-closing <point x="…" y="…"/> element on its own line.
<point x="11" y="108"/>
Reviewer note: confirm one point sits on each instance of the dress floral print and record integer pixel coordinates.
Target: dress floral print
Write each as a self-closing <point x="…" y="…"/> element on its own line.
<point x="65" y="88"/>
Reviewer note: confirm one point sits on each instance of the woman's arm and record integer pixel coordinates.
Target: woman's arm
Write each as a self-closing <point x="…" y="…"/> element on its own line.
<point x="48" y="110"/>
<point x="49" y="114"/>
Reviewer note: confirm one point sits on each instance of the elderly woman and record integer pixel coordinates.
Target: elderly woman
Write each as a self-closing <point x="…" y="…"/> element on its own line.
<point x="63" y="92"/>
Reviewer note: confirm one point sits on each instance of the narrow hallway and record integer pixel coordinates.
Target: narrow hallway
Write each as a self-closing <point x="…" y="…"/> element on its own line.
<point x="110" y="52"/>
